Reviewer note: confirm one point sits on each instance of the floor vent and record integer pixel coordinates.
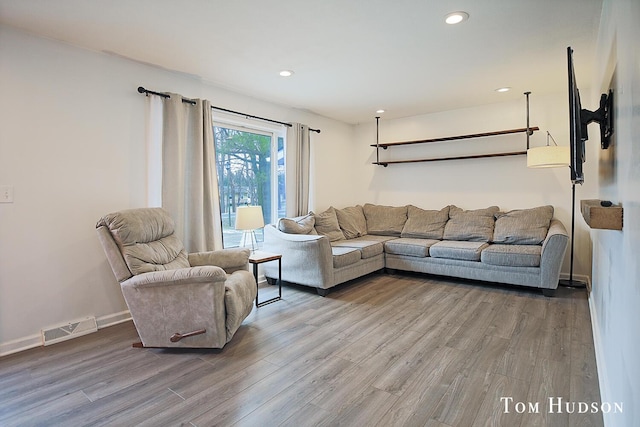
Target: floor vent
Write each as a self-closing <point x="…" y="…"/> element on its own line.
<point x="69" y="330"/>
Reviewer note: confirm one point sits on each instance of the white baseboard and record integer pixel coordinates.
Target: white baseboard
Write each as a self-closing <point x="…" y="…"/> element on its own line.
<point x="113" y="319"/>
<point x="20" y="344"/>
<point x="35" y="340"/>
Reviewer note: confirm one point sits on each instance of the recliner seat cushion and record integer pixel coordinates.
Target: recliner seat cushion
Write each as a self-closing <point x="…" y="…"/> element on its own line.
<point x="468" y="251"/>
<point x="512" y="255"/>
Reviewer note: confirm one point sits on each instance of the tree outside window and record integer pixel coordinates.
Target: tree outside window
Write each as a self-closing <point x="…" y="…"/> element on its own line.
<point x="247" y="176"/>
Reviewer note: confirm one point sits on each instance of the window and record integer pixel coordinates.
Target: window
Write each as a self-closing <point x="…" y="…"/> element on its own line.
<point x="250" y="165"/>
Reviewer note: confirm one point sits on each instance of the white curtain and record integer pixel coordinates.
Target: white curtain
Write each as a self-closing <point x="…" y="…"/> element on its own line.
<point x="189" y="183"/>
<point x="297" y="157"/>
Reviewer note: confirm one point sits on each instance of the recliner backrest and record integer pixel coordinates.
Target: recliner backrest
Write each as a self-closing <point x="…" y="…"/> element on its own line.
<point x="146" y="240"/>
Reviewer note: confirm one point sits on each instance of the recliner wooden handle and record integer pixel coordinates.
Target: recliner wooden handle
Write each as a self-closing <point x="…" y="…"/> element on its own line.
<point x="178" y="336"/>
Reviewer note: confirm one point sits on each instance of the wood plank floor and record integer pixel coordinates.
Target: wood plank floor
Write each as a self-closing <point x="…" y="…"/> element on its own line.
<point x="384" y="350"/>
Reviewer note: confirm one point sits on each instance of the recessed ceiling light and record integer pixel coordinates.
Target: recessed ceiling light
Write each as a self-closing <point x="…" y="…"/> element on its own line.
<point x="456" y="17"/>
<point x="380" y="111"/>
<point x="503" y="89"/>
<point x="286" y="73"/>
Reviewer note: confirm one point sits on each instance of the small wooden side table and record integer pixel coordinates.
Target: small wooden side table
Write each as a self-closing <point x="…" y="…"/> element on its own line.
<point x="259" y="257"/>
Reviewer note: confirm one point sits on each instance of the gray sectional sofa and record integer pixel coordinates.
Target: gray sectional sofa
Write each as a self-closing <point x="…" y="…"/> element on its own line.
<point x="520" y="247"/>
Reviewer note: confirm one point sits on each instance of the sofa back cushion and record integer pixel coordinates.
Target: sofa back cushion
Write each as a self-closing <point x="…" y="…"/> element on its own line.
<point x="352" y="221"/>
<point x="298" y="225"/>
<point x="425" y="224"/>
<point x="470" y="225"/>
<point x="523" y="226"/>
<point x="327" y="225"/>
<point x="385" y="220"/>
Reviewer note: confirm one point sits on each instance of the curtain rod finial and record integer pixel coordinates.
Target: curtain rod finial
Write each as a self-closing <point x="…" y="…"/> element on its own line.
<point x="141" y="89"/>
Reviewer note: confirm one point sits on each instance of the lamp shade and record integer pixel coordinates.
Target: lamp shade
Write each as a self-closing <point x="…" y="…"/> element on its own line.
<point x="249" y="218"/>
<point x="548" y="157"/>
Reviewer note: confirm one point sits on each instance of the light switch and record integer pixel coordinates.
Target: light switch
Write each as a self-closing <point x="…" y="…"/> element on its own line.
<point x="6" y="194"/>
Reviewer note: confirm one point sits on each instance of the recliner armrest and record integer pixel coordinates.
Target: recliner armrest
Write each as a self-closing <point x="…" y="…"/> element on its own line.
<point x="228" y="259"/>
<point x="181" y="276"/>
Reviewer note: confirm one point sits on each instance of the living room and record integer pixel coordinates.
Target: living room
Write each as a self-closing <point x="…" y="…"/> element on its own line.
<point x="73" y="148"/>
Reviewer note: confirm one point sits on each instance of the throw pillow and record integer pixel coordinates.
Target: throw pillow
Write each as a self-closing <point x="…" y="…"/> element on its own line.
<point x="470" y="225"/>
<point x="523" y="226"/>
<point x="299" y="225"/>
<point x="385" y="220"/>
<point x="327" y="225"/>
<point x="352" y="221"/>
<point x="425" y="224"/>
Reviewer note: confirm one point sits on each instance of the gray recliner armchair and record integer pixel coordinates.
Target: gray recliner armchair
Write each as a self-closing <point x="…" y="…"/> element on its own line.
<point x="176" y="299"/>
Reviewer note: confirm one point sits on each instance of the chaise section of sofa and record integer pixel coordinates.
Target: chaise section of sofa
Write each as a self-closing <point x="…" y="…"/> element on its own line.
<point x="521" y="247"/>
<point x="312" y="260"/>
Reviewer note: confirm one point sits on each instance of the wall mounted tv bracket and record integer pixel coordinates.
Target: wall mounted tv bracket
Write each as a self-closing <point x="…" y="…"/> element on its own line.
<point x="603" y="116"/>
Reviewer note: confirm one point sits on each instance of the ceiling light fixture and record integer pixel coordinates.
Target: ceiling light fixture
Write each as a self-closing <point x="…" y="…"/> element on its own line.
<point x="503" y="89"/>
<point x="380" y="111"/>
<point x="286" y="73"/>
<point x="456" y="17"/>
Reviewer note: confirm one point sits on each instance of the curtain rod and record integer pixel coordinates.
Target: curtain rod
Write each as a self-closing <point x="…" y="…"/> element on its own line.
<point x="191" y="101"/>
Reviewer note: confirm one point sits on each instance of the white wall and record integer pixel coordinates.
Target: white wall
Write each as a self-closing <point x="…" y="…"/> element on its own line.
<point x="72" y="146"/>
<point x="477" y="183"/>
<point x="615" y="299"/>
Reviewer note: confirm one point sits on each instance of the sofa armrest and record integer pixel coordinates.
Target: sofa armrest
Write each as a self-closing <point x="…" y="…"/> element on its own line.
<point x="554" y="247"/>
<point x="306" y="259"/>
<point x="228" y="259"/>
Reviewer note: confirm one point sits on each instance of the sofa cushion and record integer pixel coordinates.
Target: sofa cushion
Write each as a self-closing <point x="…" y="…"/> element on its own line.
<point x="343" y="257"/>
<point x="425" y="224"/>
<point x="299" y="225"/>
<point x="376" y="238"/>
<point x="523" y="226"/>
<point x="468" y="251"/>
<point x="326" y="223"/>
<point x="472" y="225"/>
<point x="352" y="221"/>
<point x="367" y="248"/>
<point x="409" y="247"/>
<point x="385" y="220"/>
<point x="512" y="255"/>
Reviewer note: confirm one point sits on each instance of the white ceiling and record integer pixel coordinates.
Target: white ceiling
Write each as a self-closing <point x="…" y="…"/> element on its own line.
<point x="350" y="57"/>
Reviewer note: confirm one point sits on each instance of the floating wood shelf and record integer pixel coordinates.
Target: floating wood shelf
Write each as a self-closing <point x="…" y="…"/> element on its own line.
<point x="386" y="145"/>
<point x="528" y="130"/>
<point x="601" y="217"/>
<point x="476" y="156"/>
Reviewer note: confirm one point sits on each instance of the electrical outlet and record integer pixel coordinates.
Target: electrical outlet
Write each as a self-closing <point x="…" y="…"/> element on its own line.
<point x="6" y="194"/>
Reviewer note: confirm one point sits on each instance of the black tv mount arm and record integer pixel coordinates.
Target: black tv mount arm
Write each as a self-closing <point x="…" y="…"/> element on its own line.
<point x="603" y="116"/>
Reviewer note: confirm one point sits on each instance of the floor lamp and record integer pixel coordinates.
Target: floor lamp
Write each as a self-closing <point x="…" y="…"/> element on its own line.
<point x="554" y="156"/>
